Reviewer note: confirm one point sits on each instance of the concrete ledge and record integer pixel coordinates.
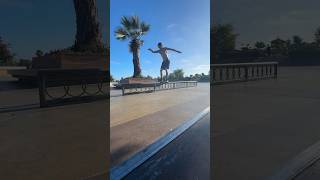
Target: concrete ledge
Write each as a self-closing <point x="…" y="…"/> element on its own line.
<point x="139" y="158"/>
<point x="4" y="69"/>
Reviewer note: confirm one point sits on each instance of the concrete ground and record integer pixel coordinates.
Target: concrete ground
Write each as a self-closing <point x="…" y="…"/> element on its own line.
<point x="260" y="126"/>
<point x="312" y="173"/>
<point x="65" y="142"/>
<point x="139" y="120"/>
<point x="187" y="157"/>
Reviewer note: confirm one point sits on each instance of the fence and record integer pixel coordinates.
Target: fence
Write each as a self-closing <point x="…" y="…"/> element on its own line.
<point x="241" y="72"/>
<point x="137" y="88"/>
<point x="73" y="85"/>
<point x="176" y="85"/>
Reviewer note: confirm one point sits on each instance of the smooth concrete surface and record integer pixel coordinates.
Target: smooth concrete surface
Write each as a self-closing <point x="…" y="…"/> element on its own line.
<point x="260" y="126"/>
<point x="115" y="92"/>
<point x="126" y="108"/>
<point x="187" y="157"/>
<point x="14" y="95"/>
<point x="139" y="120"/>
<point x="65" y="142"/>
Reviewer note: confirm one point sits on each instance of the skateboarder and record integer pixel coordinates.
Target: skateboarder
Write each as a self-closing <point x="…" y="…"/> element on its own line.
<point x="163" y="51"/>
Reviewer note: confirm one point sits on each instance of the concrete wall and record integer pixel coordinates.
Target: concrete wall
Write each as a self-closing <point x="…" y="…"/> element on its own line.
<point x="4" y="69"/>
<point x="70" y="61"/>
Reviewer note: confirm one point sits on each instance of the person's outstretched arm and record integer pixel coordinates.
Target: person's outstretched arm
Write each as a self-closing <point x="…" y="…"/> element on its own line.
<point x="153" y="50"/>
<point x="173" y="50"/>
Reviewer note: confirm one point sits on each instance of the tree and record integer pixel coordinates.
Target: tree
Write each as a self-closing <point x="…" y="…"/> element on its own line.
<point x="317" y="36"/>
<point x="133" y="29"/>
<point x="176" y="75"/>
<point x="88" y="37"/>
<point x="279" y="46"/>
<point x="6" y="56"/>
<point x="213" y="47"/>
<point x="225" y="38"/>
<point x="260" y="45"/>
<point x="111" y="78"/>
<point x="39" y="53"/>
<point x="297" y="41"/>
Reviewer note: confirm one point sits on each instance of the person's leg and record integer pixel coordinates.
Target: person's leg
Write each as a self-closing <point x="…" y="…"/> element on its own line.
<point x="161" y="75"/>
<point x="166" y="74"/>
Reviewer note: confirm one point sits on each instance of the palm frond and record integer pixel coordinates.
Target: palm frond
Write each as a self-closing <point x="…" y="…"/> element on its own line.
<point x="144" y="28"/>
<point x="135" y="22"/>
<point x="131" y="28"/>
<point x="121" y="33"/>
<point x="126" y="23"/>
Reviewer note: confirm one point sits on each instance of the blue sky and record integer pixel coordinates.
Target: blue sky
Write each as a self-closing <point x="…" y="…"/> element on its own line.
<point x="180" y="24"/>
<point x="29" y="25"/>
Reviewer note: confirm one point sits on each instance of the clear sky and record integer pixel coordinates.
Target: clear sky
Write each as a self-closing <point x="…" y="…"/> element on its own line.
<point x="29" y="25"/>
<point x="180" y="24"/>
<point x="268" y="19"/>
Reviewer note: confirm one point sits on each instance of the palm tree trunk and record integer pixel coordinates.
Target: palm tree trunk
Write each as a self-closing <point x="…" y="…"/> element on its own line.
<point x="88" y="37"/>
<point x="136" y="61"/>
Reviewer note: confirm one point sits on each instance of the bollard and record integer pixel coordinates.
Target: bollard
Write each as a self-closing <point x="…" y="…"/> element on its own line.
<point x="275" y="70"/>
<point x="42" y="87"/>
<point x="246" y="76"/>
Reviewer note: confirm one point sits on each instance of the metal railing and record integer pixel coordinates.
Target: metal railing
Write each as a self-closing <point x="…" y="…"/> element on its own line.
<point x="138" y="88"/>
<point x="69" y="86"/>
<point x="176" y="85"/>
<point x="241" y="72"/>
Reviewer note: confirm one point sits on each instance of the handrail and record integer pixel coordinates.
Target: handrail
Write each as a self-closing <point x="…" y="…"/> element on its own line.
<point x="182" y="82"/>
<point x="241" y="72"/>
<point x="152" y="87"/>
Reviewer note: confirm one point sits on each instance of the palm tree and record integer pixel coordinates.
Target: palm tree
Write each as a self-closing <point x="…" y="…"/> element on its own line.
<point x="133" y="29"/>
<point x="6" y="56"/>
<point x="88" y="37"/>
